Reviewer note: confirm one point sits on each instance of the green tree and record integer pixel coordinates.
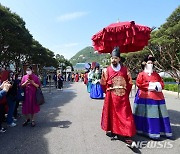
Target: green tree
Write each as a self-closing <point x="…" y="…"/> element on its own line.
<point x="165" y="45"/>
<point x="17" y="45"/>
<point x="133" y="61"/>
<point x="61" y="60"/>
<point x="14" y="37"/>
<point x="41" y="55"/>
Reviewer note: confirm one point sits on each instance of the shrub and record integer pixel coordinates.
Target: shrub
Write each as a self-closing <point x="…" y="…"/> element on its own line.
<point x="171" y="87"/>
<point x="169" y="79"/>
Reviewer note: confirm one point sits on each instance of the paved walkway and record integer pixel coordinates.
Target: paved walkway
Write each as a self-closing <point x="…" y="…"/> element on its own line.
<point x="69" y="123"/>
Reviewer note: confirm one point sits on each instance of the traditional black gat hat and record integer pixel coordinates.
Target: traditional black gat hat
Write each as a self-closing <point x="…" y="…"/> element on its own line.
<point x="116" y="52"/>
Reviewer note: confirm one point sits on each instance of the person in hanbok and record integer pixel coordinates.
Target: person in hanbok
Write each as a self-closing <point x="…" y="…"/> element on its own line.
<point x="96" y="89"/>
<point x="77" y="77"/>
<point x="30" y="82"/>
<point x="117" y="118"/>
<point x="90" y="75"/>
<point x="86" y="78"/>
<point x="150" y="112"/>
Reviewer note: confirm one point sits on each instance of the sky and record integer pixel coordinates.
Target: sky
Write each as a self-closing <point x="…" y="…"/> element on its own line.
<point x="66" y="26"/>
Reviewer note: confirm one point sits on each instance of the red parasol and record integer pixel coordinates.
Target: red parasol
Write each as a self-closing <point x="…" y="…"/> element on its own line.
<point x="128" y="36"/>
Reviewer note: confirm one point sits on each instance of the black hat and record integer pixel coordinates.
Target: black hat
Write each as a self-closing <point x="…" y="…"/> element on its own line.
<point x="116" y="52"/>
<point x="149" y="57"/>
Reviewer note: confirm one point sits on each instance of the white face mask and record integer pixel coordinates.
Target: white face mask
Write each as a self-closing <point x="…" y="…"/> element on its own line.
<point x="148" y="68"/>
<point x="29" y="72"/>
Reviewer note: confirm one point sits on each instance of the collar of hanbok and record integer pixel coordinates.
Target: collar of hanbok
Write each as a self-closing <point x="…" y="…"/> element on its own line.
<point x="116" y="68"/>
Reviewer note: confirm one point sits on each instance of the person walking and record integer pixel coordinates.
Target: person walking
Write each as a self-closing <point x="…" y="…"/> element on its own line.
<point x="117" y="118"/>
<point x="55" y="79"/>
<point x="60" y="81"/>
<point x="89" y="76"/>
<point x="77" y="77"/>
<point x="96" y="89"/>
<point x="69" y="77"/>
<point x="30" y="82"/>
<point x="150" y="112"/>
<point x="72" y="77"/>
<point x="86" y="78"/>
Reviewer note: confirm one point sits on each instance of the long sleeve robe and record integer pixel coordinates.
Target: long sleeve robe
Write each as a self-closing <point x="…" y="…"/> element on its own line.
<point x="117" y="114"/>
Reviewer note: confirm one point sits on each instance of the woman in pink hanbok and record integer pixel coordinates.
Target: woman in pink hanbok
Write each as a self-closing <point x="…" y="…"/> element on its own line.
<point x="30" y="82"/>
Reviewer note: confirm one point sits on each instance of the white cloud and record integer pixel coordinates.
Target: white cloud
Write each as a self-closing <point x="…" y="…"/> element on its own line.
<point x="71" y="16"/>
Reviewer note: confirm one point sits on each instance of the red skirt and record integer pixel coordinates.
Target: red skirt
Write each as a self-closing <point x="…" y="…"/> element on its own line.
<point x="117" y="115"/>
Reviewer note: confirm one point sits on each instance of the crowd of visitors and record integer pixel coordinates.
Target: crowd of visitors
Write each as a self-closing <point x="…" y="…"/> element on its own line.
<point x="16" y="88"/>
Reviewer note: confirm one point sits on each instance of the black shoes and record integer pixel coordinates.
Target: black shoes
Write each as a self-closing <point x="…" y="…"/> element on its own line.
<point x="26" y="122"/>
<point x="111" y="135"/>
<point x="33" y="124"/>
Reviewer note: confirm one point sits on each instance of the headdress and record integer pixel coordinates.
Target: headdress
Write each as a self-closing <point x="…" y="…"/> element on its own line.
<point x="116" y="52"/>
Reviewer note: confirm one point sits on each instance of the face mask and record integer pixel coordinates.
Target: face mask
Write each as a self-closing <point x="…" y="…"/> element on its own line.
<point x="29" y="72"/>
<point x="148" y="68"/>
<point x="19" y="78"/>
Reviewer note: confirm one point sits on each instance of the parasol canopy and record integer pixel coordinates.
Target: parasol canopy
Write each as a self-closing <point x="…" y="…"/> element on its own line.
<point x="128" y="36"/>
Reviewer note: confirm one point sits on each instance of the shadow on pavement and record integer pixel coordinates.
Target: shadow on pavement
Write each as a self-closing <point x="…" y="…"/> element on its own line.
<point x="133" y="147"/>
<point x="58" y="124"/>
<point x="33" y="139"/>
<point x="175" y="123"/>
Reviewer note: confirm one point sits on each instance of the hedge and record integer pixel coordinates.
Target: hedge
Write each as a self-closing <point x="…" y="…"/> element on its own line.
<point x="169" y="80"/>
<point x="171" y="87"/>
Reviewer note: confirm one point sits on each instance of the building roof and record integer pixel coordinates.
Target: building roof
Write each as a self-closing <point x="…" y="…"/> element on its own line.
<point x="79" y="66"/>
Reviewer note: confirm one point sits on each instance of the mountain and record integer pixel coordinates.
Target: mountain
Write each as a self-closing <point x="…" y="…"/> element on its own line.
<point x="89" y="55"/>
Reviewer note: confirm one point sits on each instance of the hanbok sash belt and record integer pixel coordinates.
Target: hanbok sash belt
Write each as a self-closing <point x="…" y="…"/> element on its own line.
<point x="116" y="87"/>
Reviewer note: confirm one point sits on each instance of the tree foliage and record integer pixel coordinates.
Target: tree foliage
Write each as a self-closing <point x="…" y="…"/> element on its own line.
<point x="17" y="45"/>
<point x="14" y="37"/>
<point x="133" y="61"/>
<point x="165" y="45"/>
<point x="62" y="62"/>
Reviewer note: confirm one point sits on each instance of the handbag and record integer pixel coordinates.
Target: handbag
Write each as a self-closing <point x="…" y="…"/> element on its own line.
<point x="39" y="97"/>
